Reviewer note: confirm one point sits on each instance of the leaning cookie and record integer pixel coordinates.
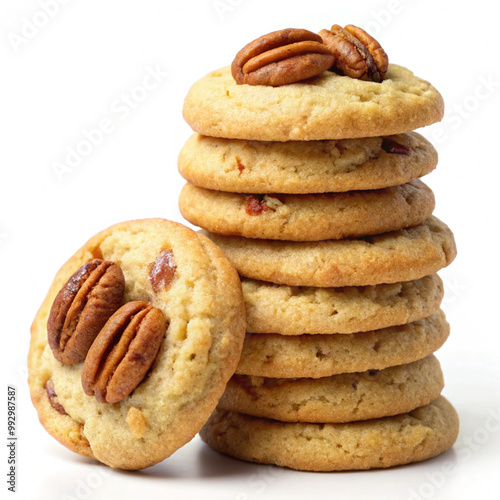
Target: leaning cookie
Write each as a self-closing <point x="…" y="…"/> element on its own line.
<point x="385" y="442"/>
<point x="311" y="217"/>
<point x="302" y="167"/>
<point x="403" y="255"/>
<point x="331" y="107"/>
<point x="339" y="398"/>
<point x="173" y="278"/>
<point x="314" y="356"/>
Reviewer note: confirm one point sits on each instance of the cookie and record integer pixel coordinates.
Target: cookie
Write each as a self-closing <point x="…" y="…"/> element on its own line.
<point x="310" y="217"/>
<point x="314" y="356"/>
<point x="338" y="398"/>
<point x="188" y="279"/>
<point x="296" y="310"/>
<point x="402" y="255"/>
<point x="240" y="166"/>
<point x="385" y="442"/>
<point x="330" y="107"/>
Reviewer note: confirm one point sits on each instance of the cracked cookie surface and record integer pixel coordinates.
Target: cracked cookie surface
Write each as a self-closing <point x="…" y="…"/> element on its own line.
<point x="385" y="442"/>
<point x="280" y="356"/>
<point x="294" y="310"/>
<point x="331" y="107"/>
<point x="204" y="309"/>
<point x="310" y="217"/>
<point x="302" y="167"/>
<point x="403" y="255"/>
<point x="345" y="397"/>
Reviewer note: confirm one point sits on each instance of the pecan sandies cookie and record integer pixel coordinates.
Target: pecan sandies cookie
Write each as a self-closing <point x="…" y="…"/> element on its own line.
<point x="135" y="342"/>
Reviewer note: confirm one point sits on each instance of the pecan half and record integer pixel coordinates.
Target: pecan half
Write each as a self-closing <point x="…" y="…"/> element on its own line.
<point x="281" y="57"/>
<point x="357" y="54"/>
<point x="123" y="352"/>
<point x="82" y="307"/>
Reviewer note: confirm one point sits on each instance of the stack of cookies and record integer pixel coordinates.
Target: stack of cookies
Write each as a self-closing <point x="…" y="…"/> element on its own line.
<point x="309" y="182"/>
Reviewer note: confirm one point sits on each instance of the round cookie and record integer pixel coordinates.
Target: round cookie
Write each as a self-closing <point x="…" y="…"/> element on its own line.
<point x="291" y="310"/>
<point x="240" y="166"/>
<point x="204" y="309"/>
<point x="328" y="106"/>
<point x="402" y="255"/>
<point x="346" y="397"/>
<point x="385" y="442"/>
<point x="310" y="217"/>
<point x="314" y="356"/>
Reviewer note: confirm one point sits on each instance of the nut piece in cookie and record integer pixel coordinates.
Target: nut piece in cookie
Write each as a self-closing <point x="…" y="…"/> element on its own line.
<point x="123" y="352"/>
<point x="395" y="145"/>
<point x="281" y="57"/>
<point x="53" y="399"/>
<point x="82" y="307"/>
<point x="357" y="54"/>
<point x="162" y="271"/>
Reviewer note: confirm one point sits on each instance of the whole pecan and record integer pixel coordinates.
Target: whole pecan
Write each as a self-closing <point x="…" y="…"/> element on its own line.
<point x="82" y="307"/>
<point x="123" y="352"/>
<point x="281" y="57"/>
<point x="357" y="54"/>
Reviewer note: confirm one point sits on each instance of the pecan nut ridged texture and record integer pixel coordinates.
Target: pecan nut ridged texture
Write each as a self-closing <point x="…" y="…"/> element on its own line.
<point x="281" y="57"/>
<point x="82" y="307"/>
<point x="123" y="352"/>
<point x="357" y="54"/>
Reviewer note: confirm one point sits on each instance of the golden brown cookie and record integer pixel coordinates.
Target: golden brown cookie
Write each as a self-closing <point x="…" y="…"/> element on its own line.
<point x="370" y="444"/>
<point x="189" y="280"/>
<point x="302" y="167"/>
<point x="331" y="107"/>
<point x="402" y="255"/>
<point x="314" y="356"/>
<point x="294" y="310"/>
<point x="346" y="397"/>
<point x="310" y="217"/>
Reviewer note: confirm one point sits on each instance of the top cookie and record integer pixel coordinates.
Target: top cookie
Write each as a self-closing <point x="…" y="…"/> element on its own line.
<point x="328" y="106"/>
<point x="200" y="297"/>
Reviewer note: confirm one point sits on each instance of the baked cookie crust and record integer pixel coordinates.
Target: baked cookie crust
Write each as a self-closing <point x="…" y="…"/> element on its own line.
<point x="302" y="167"/>
<point x="345" y="397"/>
<point x="328" y="106"/>
<point x="311" y="217"/>
<point x="314" y="356"/>
<point x="371" y="444"/>
<point x="403" y="255"/>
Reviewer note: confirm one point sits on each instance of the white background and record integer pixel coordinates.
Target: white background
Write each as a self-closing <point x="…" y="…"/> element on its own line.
<point x="62" y="78"/>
